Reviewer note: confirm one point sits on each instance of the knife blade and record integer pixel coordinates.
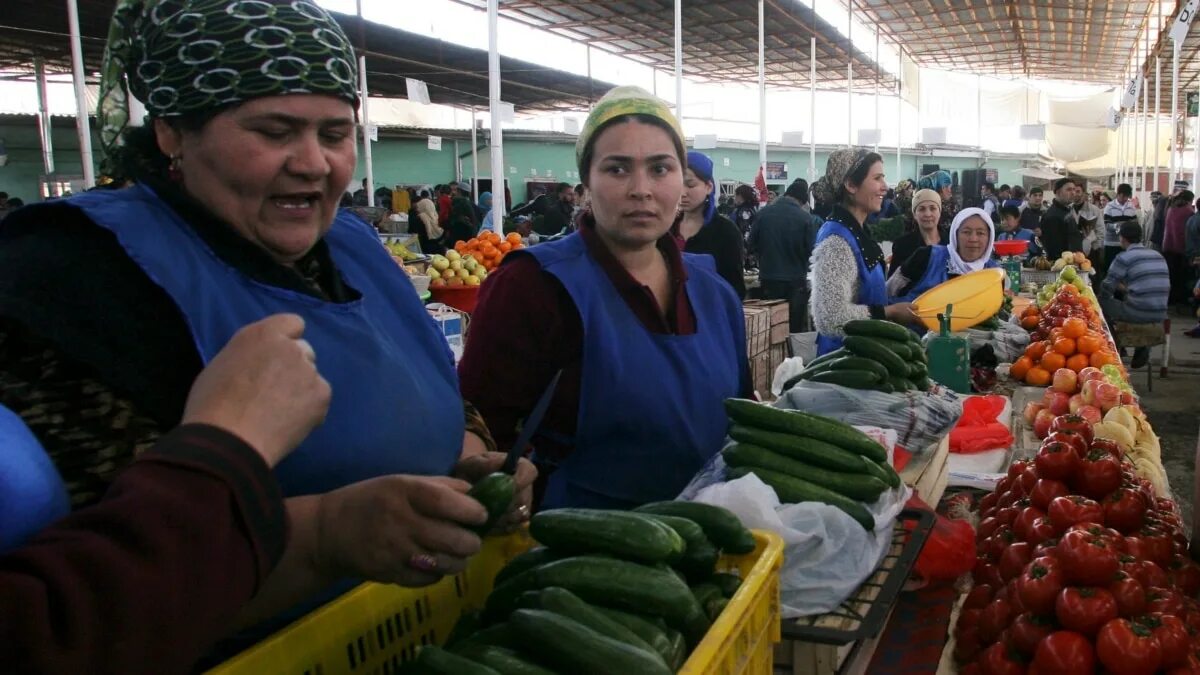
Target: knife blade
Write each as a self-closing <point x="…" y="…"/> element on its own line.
<point x="530" y="427"/>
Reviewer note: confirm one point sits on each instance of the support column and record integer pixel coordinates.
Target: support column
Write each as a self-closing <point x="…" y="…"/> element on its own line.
<point x="496" y="137"/>
<point x="762" y="93"/>
<point x="44" y="135"/>
<point x="82" y="125"/>
<point x="679" y="59"/>
<point x="1157" y="120"/>
<point x="849" y="75"/>
<point x="1174" y="109"/>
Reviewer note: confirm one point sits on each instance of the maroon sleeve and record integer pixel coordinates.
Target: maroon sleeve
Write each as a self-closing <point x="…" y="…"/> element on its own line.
<point x="148" y="578"/>
<point x="524" y="329"/>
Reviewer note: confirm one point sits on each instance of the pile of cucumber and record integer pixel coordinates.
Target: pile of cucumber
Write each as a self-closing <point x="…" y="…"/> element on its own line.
<point x="618" y="592"/>
<point x="875" y="355"/>
<point x="808" y="458"/>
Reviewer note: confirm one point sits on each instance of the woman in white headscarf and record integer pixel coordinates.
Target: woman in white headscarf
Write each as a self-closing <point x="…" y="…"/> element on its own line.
<point x="972" y="236"/>
<point x="429" y="232"/>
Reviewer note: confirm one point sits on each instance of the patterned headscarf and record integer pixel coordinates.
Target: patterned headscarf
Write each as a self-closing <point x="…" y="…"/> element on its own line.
<point x="841" y="164"/>
<point x="620" y="102"/>
<point x="702" y="166"/>
<point x="936" y="180"/>
<point x="187" y="56"/>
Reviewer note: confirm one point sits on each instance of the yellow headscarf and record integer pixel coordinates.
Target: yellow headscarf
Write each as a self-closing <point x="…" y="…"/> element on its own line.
<point x="620" y="102"/>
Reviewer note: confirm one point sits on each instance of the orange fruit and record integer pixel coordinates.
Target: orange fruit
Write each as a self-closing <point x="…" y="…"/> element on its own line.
<point x="1030" y="322"/>
<point x="1089" y="344"/>
<point x="1064" y="346"/>
<point x="1074" y="327"/>
<point x="1078" y="362"/>
<point x="1020" y="368"/>
<point x="1037" y="376"/>
<point x="1103" y="358"/>
<point x="478" y="256"/>
<point x="518" y="246"/>
<point x="1069" y="289"/>
<point x="1052" y="361"/>
<point x="504" y="246"/>
<point x="513" y="238"/>
<point x="1035" y="350"/>
<point x="1031" y="310"/>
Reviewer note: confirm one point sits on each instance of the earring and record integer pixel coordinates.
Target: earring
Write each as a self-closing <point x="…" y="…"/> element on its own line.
<point x="174" y="172"/>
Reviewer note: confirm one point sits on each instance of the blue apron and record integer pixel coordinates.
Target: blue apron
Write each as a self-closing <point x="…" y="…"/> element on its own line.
<point x="32" y="494"/>
<point x="872" y="289"/>
<point x="651" y="406"/>
<point x="396" y="407"/>
<point x="936" y="272"/>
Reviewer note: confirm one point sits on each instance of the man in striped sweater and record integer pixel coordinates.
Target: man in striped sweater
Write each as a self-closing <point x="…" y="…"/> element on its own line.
<point x="1137" y="285"/>
<point x="1118" y="212"/>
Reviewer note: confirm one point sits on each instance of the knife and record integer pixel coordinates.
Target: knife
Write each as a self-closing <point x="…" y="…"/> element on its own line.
<point x="530" y="427"/>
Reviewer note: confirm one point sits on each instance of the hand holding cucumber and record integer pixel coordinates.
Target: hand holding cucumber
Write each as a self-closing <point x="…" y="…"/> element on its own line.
<point x="379" y="529"/>
<point x="475" y="468"/>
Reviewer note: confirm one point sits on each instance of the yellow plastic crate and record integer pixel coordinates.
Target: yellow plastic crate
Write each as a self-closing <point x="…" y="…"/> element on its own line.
<point x="374" y="628"/>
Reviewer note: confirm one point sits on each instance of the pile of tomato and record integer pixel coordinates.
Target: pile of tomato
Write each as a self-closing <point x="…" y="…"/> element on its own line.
<point x="1080" y="569"/>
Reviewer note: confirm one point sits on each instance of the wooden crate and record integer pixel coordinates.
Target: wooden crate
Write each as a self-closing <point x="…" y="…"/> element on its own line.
<point x="758" y="330"/>
<point x="779" y="318"/>
<point x="928" y="474"/>
<point x="761" y="372"/>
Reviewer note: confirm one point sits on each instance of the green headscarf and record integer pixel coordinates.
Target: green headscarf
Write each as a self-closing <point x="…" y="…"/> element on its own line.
<point x="622" y="101"/>
<point x="187" y="56"/>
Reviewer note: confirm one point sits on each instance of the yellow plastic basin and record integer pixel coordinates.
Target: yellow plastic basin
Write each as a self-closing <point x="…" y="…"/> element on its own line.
<point x="976" y="298"/>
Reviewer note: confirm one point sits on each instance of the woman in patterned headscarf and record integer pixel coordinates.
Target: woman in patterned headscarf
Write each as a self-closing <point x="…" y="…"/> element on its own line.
<point x="630" y="322"/>
<point x="111" y="301"/>
<point x="847" y="270"/>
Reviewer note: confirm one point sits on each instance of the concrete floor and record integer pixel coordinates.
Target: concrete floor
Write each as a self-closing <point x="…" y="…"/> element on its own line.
<point x="1174" y="410"/>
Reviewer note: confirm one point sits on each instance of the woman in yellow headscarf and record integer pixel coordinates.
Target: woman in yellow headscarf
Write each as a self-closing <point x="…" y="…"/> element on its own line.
<point x="650" y="340"/>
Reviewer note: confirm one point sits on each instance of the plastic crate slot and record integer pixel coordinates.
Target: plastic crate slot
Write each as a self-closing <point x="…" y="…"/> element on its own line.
<point x="391" y="629"/>
<point x="350" y="655"/>
<point x="362" y="649"/>
<point x="379" y="640"/>
<point x="419" y="607"/>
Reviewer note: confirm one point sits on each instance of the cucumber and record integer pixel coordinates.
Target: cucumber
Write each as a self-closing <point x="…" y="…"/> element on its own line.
<point x="497" y="635"/>
<point x="715" y="606"/>
<point x="883" y="472"/>
<point x="679" y="650"/>
<point x="804" y="424"/>
<point x="865" y="346"/>
<point x="720" y="525"/>
<point x="860" y="363"/>
<point x="925" y="384"/>
<point x="525" y="560"/>
<point x="564" y="602"/>
<point x="505" y="661"/>
<point x="700" y="557"/>
<point x="706" y="592"/>
<point x="610" y="582"/>
<point x="858" y="485"/>
<point x="657" y="635"/>
<point x="853" y="379"/>
<point x="901" y="348"/>
<point x="574" y="648"/>
<point x="495" y="491"/>
<point x="727" y="582"/>
<point x="807" y="450"/>
<point x="468" y="624"/>
<point x="902" y="384"/>
<point x="792" y="490"/>
<point x="876" y="328"/>
<point x="917" y="370"/>
<point x="829" y="356"/>
<point x="624" y="534"/>
<point x="433" y="660"/>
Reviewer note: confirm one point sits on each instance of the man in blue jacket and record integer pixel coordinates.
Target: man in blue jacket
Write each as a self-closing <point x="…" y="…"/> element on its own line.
<point x="782" y="239"/>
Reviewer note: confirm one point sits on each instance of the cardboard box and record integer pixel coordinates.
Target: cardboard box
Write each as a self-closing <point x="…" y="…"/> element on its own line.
<point x="779" y="318"/>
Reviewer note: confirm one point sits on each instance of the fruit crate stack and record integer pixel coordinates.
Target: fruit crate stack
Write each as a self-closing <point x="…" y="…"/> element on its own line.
<point x="768" y="349"/>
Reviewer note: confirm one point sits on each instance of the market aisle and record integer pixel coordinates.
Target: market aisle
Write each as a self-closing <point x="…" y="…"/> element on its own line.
<point x="1174" y="411"/>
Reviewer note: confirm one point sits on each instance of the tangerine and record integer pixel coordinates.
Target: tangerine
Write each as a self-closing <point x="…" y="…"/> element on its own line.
<point x="1052" y="361"/>
<point x="1078" y="362"/>
<point x="1037" y="376"/>
<point x="504" y="246"/>
<point x="1089" y="344"/>
<point x="513" y="238"/>
<point x="1035" y="350"/>
<point x="1103" y="358"/>
<point x="1020" y="368"/>
<point x="1064" y="346"/>
<point x="1074" y="327"/>
<point x="1030" y="322"/>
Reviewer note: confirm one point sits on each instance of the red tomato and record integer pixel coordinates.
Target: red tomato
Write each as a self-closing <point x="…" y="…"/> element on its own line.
<point x="1172" y="636"/>
<point x="1045" y="490"/>
<point x="1007" y="498"/>
<point x="1067" y="511"/>
<point x="1065" y="653"/>
<point x="995" y="618"/>
<point x="1148" y="574"/>
<point x="1047" y="547"/>
<point x="987" y="573"/>
<point x="1085" y="609"/>
<point x="1027" y="630"/>
<point x="1040" y="585"/>
<point x="1005" y="515"/>
<point x="1056" y="460"/>
<point x="1072" y="439"/>
<point x="1165" y="600"/>
<point x="1027" y="479"/>
<point x="1014" y="559"/>
<point x="1183" y="573"/>
<point x="1124" y="647"/>
<point x="1087" y="559"/>
<point x="1025" y="520"/>
<point x="986" y="528"/>
<point x="1098" y="475"/>
<point x="998" y="660"/>
<point x="1129" y="594"/>
<point x="987" y="504"/>
<point x="1124" y="510"/>
<point x="1001" y="539"/>
<point x="967" y="644"/>
<point x="979" y="597"/>
<point x="1108" y="445"/>
<point x="1017" y="468"/>
<point x="1155" y="546"/>
<point x="1073" y="423"/>
<point x="971" y="669"/>
<point x="1109" y="535"/>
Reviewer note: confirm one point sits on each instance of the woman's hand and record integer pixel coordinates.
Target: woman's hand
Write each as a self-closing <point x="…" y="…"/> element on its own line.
<point x="902" y="313"/>
<point x="474" y="467"/>
<point x="407" y="530"/>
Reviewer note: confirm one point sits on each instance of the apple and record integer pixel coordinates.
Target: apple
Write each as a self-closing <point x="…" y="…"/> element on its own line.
<point x="1076" y="403"/>
<point x="437" y="283"/>
<point x="1031" y="410"/>
<point x="1060" y="403"/>
<point x="1103" y="395"/>
<point x="1090" y="373"/>
<point x="439" y="263"/>
<point x="455" y="282"/>
<point x="456" y="265"/>
<point x="1091" y="413"/>
<point x="1065" y="381"/>
<point x="1108" y="445"/>
<point x="1127" y="398"/>
<point x="1042" y="422"/>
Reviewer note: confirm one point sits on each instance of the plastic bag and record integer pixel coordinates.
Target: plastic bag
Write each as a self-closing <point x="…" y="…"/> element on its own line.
<point x="1008" y="341"/>
<point x="920" y="420"/>
<point x="827" y="555"/>
<point x="980" y="429"/>
<point x="949" y="551"/>
<point x="791" y="367"/>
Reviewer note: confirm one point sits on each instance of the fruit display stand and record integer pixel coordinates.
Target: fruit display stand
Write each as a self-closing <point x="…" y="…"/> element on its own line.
<point x="375" y="628"/>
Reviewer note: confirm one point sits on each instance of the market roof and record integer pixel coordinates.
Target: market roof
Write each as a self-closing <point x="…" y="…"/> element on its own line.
<point x="456" y="75"/>
<point x="720" y="38"/>
<point x="1077" y="40"/>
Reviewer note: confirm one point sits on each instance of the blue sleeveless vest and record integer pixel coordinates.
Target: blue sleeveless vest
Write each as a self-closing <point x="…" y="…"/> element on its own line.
<point x="871" y="283"/>
<point x="396" y="406"/>
<point x="32" y="494"/>
<point x="651" y="406"/>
